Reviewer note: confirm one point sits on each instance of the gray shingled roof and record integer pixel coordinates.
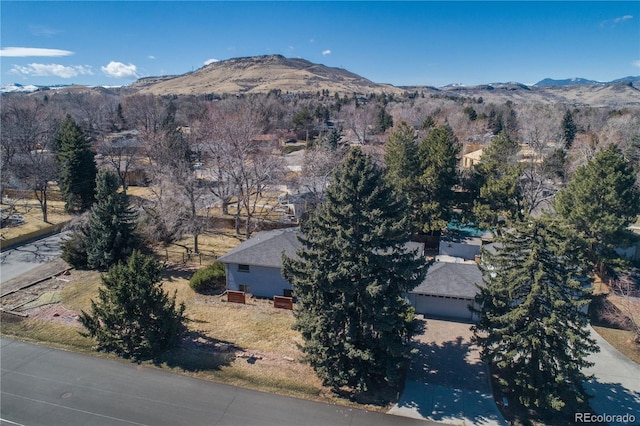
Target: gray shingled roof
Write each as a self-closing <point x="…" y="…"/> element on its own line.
<point x="451" y="280"/>
<point x="265" y="248"/>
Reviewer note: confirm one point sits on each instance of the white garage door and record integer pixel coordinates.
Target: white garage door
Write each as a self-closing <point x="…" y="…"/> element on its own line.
<point x="442" y="306"/>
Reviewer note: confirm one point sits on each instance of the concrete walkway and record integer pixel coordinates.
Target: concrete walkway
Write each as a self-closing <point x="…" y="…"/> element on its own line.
<point x="447" y="381"/>
<point x="616" y="382"/>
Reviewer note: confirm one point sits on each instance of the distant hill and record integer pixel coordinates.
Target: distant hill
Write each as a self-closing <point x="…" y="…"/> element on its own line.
<point x="262" y="74"/>
<point x="630" y="79"/>
<point x="582" y="81"/>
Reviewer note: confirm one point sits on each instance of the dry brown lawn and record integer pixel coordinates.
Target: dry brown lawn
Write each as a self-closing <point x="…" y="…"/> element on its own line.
<point x="262" y="352"/>
<point x="30" y="210"/>
<point x="620" y="339"/>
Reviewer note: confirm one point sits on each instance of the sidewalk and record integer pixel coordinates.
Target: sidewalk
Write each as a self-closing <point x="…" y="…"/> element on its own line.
<point x="616" y="382"/>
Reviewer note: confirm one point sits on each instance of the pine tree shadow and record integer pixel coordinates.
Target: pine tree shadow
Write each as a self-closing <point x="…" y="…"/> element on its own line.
<point x="173" y="272"/>
<point x="199" y="352"/>
<point x="447" y="382"/>
<point x="448" y="364"/>
<point x="613" y="399"/>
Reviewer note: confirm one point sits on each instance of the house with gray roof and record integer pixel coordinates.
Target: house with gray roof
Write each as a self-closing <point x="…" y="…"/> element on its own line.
<point x="255" y="267"/>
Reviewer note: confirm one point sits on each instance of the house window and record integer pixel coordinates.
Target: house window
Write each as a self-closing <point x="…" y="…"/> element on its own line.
<point x="287" y="292"/>
<point x="243" y="268"/>
<point x="245" y="288"/>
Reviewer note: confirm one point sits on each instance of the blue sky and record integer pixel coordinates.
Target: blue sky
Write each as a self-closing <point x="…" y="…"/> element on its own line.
<point x="402" y="43"/>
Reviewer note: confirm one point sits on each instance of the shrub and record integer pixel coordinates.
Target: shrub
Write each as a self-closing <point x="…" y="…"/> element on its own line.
<point x="209" y="279"/>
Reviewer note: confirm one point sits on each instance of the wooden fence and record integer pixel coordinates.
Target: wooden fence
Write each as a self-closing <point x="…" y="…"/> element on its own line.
<point x="188" y="257"/>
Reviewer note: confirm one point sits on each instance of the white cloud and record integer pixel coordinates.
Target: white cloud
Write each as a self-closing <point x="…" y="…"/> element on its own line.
<point x="151" y="57"/>
<point x="57" y="70"/>
<point x="636" y="63"/>
<point x="32" y="51"/>
<point x="119" y="70"/>
<point x="613" y="22"/>
<point x="211" y="61"/>
<point x="622" y="18"/>
<point x="326" y="52"/>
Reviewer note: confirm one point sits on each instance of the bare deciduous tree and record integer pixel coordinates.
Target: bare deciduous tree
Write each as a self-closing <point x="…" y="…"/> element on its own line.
<point x="27" y="133"/>
<point x="360" y="120"/>
<point x="543" y="171"/>
<point x="319" y="164"/>
<point x="624" y="307"/>
<point x="145" y="113"/>
<point x="121" y="154"/>
<point x="178" y="193"/>
<point x="242" y="168"/>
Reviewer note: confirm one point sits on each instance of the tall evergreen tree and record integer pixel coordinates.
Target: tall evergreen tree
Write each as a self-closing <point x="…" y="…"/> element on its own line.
<point x="600" y="202"/>
<point x="437" y="152"/>
<point x="424" y="174"/>
<point x="350" y="278"/>
<point x="533" y="326"/>
<point x="496" y="182"/>
<point x="112" y="223"/>
<point x="134" y="317"/>
<point x="331" y="139"/>
<point x="569" y="129"/>
<point x="403" y="169"/>
<point x="384" y="119"/>
<point x="77" y="166"/>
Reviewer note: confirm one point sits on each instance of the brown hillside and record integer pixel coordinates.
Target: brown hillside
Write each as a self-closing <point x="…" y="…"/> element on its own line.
<point x="261" y="74"/>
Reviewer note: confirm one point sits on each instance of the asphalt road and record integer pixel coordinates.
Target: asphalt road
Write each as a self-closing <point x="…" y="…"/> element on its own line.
<point x="44" y="386"/>
<point x="17" y="261"/>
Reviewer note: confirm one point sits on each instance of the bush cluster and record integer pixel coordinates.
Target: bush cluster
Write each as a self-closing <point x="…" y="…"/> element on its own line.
<point x="209" y="279"/>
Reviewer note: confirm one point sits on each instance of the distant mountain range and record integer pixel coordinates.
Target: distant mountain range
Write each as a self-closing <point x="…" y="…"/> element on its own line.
<point x="263" y="74"/>
<point x="576" y="81"/>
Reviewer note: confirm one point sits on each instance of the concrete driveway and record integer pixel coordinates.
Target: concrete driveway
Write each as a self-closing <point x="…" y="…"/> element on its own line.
<point x="616" y="382"/>
<point x="447" y="382"/>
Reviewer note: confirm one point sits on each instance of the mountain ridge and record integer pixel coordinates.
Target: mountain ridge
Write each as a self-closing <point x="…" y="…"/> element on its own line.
<point x="267" y="73"/>
<point x="262" y="74"/>
<point x="577" y="81"/>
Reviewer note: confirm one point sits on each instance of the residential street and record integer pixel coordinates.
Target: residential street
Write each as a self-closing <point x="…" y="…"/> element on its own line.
<point x="43" y="386"/>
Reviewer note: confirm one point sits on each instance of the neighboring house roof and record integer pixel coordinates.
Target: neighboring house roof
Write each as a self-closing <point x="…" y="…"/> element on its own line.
<point x="461" y="238"/>
<point x="451" y="280"/>
<point x="265" y="248"/>
<point x="471" y="158"/>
